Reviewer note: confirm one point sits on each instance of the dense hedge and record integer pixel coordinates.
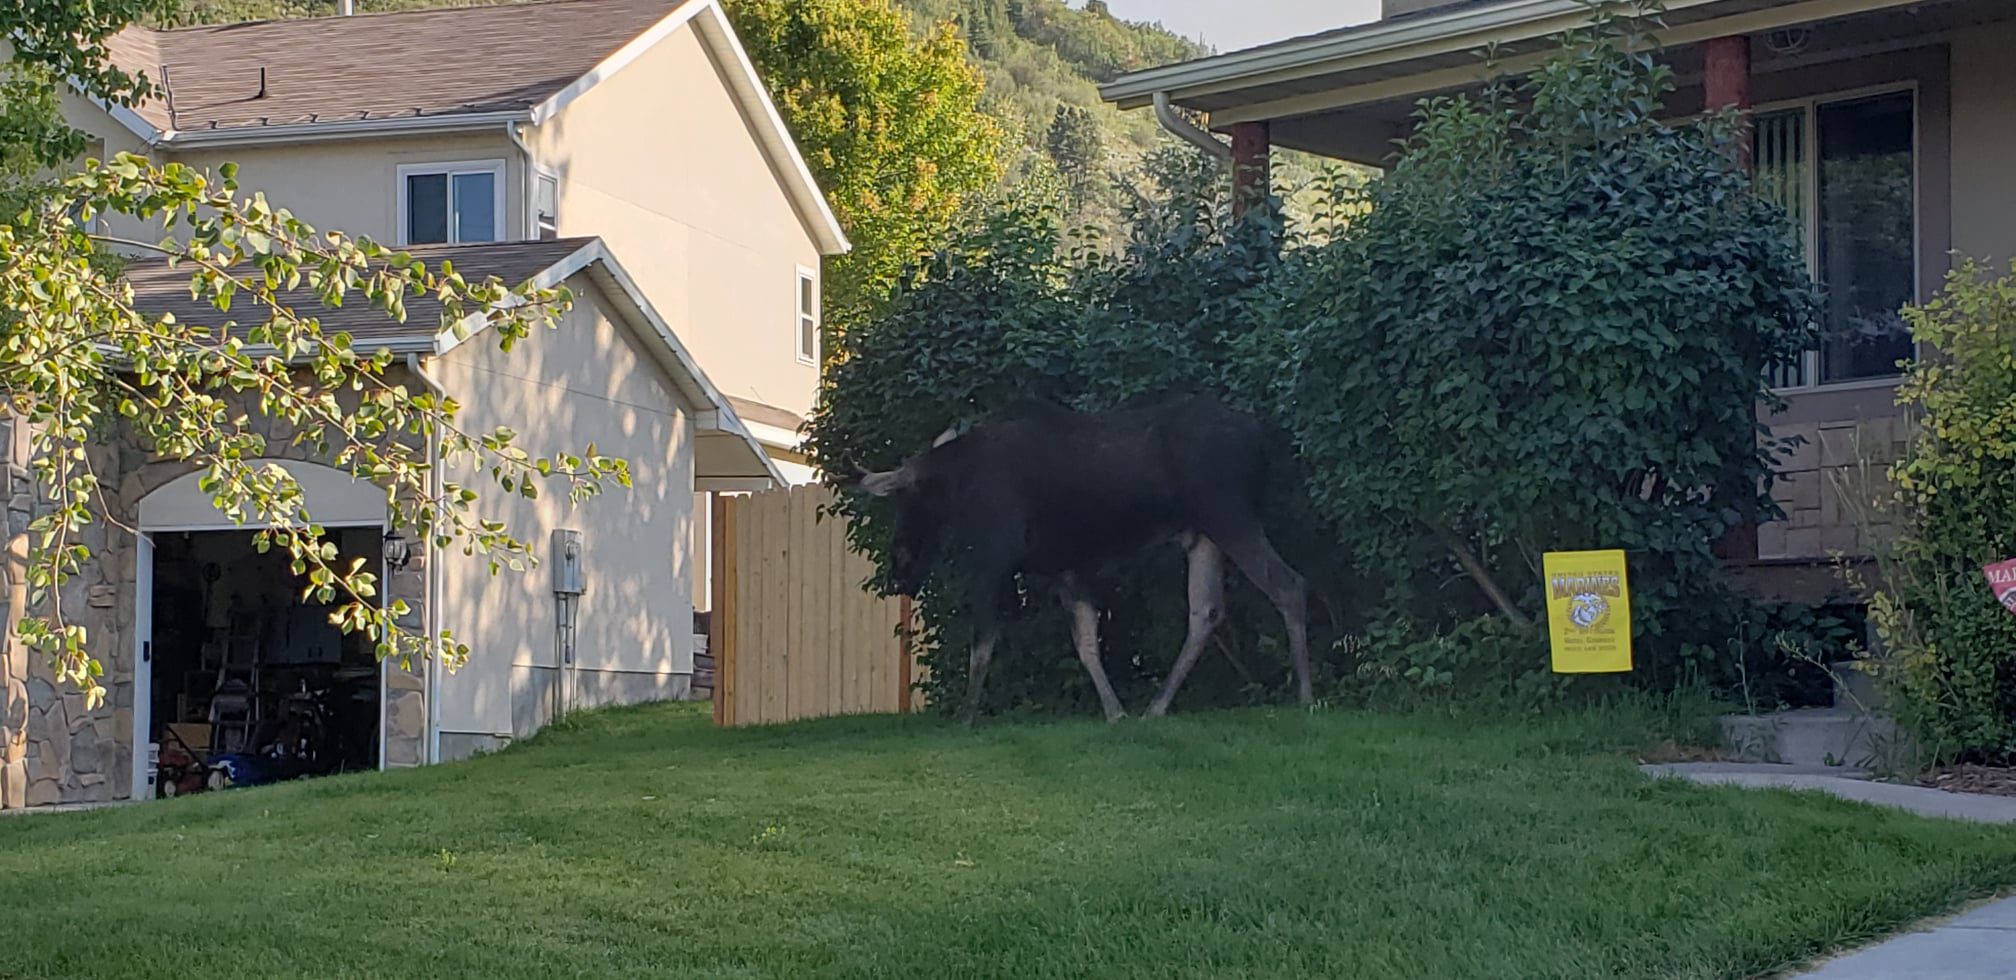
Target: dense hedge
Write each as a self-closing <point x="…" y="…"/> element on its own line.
<point x="1949" y="649"/>
<point x="1546" y="327"/>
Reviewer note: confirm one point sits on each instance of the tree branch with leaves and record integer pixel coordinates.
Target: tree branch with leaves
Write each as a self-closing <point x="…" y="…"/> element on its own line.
<point x="81" y="359"/>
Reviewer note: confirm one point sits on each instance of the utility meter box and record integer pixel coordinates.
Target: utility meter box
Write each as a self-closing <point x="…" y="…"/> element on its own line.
<point x="567" y="558"/>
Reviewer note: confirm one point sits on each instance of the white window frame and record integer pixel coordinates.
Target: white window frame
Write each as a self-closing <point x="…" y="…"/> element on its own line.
<point x="539" y="227"/>
<point x="450" y="168"/>
<point x="1810" y="107"/>
<point x="798" y="321"/>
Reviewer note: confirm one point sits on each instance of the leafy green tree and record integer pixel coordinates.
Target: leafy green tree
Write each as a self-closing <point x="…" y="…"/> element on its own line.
<point x="80" y="359"/>
<point x="891" y="125"/>
<point x="1549" y="331"/>
<point x="1546" y="328"/>
<point x="1015" y="308"/>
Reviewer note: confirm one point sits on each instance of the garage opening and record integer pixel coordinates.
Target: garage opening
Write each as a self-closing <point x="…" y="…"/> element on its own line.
<point x="251" y="683"/>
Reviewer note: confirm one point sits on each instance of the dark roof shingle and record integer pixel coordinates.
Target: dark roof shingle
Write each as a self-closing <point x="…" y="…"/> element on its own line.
<point x="413" y="63"/>
<point x="159" y="288"/>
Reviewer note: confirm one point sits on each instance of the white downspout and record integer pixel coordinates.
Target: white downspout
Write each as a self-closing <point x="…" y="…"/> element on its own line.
<point x="434" y="571"/>
<point x="528" y="220"/>
<point x="1173" y="121"/>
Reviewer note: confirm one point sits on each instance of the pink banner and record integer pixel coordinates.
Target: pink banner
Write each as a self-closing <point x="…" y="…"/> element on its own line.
<point x="2002" y="578"/>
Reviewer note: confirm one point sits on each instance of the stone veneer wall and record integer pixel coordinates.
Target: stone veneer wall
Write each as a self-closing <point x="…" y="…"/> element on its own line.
<point x="1838" y="462"/>
<point x="55" y="750"/>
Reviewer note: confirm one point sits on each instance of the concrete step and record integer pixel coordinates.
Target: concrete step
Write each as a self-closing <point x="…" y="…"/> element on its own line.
<point x="1840" y="737"/>
<point x="1854" y="688"/>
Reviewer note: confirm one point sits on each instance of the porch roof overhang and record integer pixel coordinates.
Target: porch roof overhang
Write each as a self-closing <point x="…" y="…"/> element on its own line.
<point x="1349" y="92"/>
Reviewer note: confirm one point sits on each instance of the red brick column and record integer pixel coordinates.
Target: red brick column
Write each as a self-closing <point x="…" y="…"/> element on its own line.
<point x="1727" y="82"/>
<point x="1251" y="171"/>
<point x="1727" y="85"/>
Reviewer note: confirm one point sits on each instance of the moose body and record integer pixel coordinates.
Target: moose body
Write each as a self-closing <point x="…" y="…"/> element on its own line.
<point x="1046" y="490"/>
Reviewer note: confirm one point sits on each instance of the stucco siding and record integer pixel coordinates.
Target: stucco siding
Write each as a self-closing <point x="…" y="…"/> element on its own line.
<point x="659" y="160"/>
<point x="589" y="381"/>
<point x="349" y="185"/>
<point x="353" y="185"/>
<point x="1984" y="144"/>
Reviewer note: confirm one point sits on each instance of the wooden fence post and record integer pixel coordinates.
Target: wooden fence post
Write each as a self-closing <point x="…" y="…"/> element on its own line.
<point x="904" y="655"/>
<point x="722" y="627"/>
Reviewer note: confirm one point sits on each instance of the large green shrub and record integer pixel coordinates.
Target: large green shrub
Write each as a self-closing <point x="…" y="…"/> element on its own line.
<point x="1546" y="328"/>
<point x="1550" y="331"/>
<point x="1016" y="309"/>
<point x="1949" y="649"/>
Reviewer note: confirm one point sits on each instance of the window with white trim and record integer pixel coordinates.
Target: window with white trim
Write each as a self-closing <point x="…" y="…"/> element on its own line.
<point x="1846" y="170"/>
<point x="808" y="316"/>
<point x="451" y="203"/>
<point x="546" y="208"/>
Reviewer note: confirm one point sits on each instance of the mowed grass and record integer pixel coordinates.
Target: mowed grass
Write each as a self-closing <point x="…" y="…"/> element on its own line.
<point x="644" y="843"/>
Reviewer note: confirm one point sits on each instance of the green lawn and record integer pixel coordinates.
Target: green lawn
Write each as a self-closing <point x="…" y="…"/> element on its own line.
<point x="643" y="843"/>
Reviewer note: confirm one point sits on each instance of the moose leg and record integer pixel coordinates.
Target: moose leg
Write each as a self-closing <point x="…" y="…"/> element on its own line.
<point x="1207" y="607"/>
<point x="1085" y="637"/>
<point x="986" y="633"/>
<point x="1249" y="548"/>
<point x="976" y="671"/>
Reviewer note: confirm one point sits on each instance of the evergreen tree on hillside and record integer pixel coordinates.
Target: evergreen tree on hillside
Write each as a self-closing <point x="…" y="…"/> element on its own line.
<point x="1076" y="146"/>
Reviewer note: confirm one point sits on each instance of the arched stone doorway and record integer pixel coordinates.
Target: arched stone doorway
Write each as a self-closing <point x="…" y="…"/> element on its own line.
<point x="252" y="628"/>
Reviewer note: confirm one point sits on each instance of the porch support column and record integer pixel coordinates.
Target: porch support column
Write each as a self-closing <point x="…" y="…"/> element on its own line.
<point x="1727" y="83"/>
<point x="1251" y="172"/>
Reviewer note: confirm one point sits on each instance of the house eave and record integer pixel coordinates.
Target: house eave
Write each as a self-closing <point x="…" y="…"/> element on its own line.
<point x="1313" y="55"/>
<point x="340" y="130"/>
<point x="1431" y="35"/>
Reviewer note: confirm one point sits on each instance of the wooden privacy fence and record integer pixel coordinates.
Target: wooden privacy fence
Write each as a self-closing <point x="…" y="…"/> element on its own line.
<point x="793" y="633"/>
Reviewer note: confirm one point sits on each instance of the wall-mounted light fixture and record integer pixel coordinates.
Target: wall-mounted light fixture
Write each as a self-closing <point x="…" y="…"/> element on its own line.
<point x="397" y="550"/>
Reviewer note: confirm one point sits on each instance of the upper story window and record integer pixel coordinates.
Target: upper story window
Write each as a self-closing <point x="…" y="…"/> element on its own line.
<point x="1846" y="169"/>
<point x="451" y="203"/>
<point x="808" y="316"/>
<point x="546" y="208"/>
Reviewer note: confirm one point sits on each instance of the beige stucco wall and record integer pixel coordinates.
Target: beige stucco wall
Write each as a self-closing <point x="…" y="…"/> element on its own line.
<point x="1984" y="143"/>
<point x="352" y="185"/>
<point x="98" y="125"/>
<point x="348" y="185"/>
<point x="660" y="162"/>
<point x="588" y="381"/>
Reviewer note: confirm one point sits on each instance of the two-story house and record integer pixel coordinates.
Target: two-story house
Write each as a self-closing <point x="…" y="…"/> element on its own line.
<point x="624" y="148"/>
<point x="1882" y="125"/>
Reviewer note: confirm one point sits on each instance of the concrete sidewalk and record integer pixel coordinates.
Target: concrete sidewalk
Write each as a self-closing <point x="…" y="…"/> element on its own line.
<point x="1977" y="946"/>
<point x="1847" y="784"/>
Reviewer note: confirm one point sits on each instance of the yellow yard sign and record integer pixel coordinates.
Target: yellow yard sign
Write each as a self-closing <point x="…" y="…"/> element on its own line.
<point x="1588" y="611"/>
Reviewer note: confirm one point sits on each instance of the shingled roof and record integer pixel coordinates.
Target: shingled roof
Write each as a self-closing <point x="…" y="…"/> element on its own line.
<point x="727" y="456"/>
<point x="439" y="62"/>
<point x="159" y="288"/>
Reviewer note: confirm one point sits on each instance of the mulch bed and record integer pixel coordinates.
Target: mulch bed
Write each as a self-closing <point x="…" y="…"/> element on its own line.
<point x="1973" y="779"/>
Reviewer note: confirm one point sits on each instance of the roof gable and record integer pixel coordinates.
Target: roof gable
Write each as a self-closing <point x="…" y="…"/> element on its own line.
<point x="378" y="66"/>
<point x="430" y="71"/>
<point x="160" y="288"/>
